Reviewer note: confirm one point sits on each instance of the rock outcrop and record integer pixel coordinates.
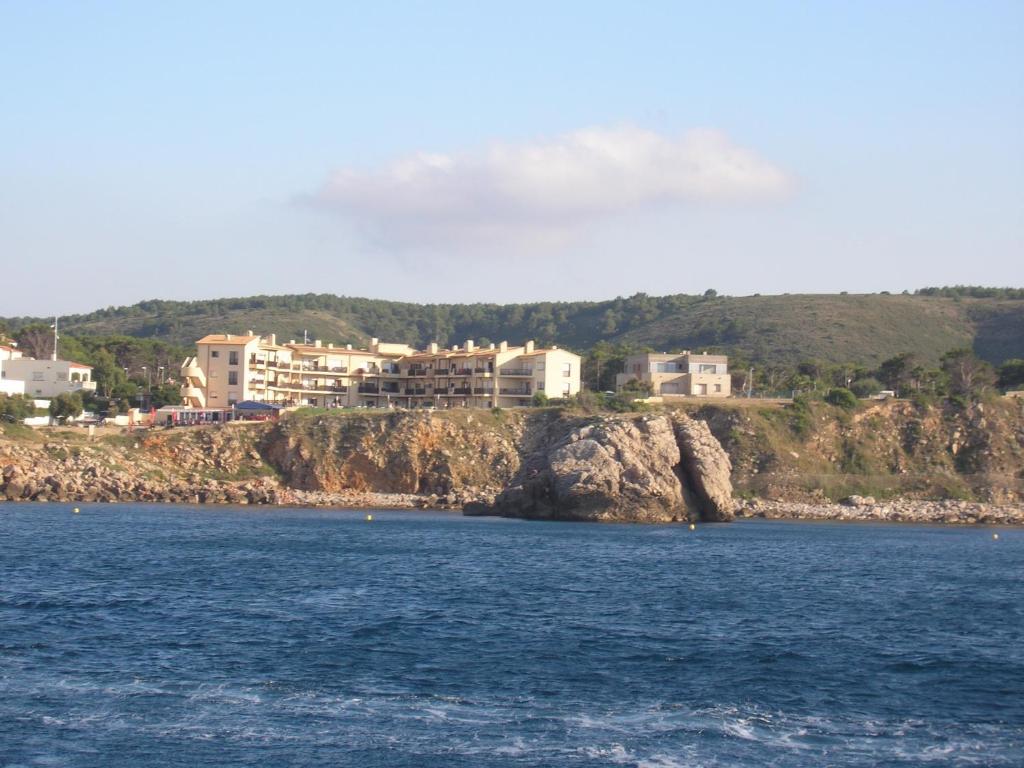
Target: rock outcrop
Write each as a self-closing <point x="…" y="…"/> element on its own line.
<point x="620" y="469"/>
<point x="706" y="467"/>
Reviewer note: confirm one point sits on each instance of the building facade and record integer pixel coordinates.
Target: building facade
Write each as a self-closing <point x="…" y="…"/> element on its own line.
<point x="48" y="378"/>
<point x="685" y="374"/>
<point x="229" y="369"/>
<point x="9" y="385"/>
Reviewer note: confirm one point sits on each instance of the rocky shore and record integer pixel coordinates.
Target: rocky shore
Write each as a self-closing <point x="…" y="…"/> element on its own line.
<point x="657" y="467"/>
<point x="857" y="509"/>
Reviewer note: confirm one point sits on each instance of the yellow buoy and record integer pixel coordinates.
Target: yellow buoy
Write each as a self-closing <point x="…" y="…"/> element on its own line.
<point x="693" y="526"/>
<point x="76" y="510"/>
<point x="369" y="518"/>
<point x="995" y="536"/>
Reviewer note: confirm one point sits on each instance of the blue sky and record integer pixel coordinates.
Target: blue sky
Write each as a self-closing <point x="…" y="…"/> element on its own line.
<point x="469" y="151"/>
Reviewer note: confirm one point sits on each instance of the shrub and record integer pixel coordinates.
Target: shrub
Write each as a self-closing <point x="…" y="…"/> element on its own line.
<point x="66" y="406"/>
<point x="801" y="419"/>
<point x="841" y="397"/>
<point x="15" y="408"/>
<point x="540" y="399"/>
<point x="866" y="387"/>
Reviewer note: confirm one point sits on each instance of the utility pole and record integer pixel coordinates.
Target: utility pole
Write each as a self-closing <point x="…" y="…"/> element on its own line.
<point x="55" y="337"/>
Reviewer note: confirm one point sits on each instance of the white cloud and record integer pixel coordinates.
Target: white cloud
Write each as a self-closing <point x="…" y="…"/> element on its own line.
<point x="544" y="190"/>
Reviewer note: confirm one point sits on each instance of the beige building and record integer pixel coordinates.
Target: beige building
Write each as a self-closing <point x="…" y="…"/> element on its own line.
<point x="684" y="374"/>
<point x="229" y="369"/>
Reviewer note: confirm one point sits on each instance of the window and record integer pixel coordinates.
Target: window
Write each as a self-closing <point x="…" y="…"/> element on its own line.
<point x="567" y="369"/>
<point x="215" y="353"/>
<point x="232" y="398"/>
<point x="566" y="389"/>
<point x="718" y="387"/>
<point x="706" y="368"/>
<point x="233" y="357"/>
<point x="540" y="386"/>
<point x="37" y="375"/>
<point x="232" y="378"/>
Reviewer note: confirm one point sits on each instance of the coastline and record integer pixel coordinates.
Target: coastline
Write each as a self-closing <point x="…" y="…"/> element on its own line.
<point x="931" y="512"/>
<point x="898" y="511"/>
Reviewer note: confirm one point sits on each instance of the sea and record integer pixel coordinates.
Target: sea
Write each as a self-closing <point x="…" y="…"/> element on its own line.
<point x="134" y="635"/>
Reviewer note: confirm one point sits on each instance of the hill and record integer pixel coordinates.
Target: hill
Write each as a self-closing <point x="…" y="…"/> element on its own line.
<point x="864" y="328"/>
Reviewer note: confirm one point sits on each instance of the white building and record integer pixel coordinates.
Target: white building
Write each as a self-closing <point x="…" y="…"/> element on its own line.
<point x="48" y="378"/>
<point x="9" y="385"/>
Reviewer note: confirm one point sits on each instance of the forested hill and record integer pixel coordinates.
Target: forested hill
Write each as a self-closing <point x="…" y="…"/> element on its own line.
<point x="866" y="328"/>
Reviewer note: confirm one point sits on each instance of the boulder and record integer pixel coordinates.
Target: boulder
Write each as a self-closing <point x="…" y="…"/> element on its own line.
<point x="620" y="469"/>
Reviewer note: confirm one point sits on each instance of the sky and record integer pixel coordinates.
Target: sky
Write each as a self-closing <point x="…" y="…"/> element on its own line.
<point x="463" y="152"/>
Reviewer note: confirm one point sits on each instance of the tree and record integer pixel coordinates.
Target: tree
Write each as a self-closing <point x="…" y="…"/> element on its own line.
<point x="540" y="399"/>
<point x="66" y="406"/>
<point x="897" y="372"/>
<point x="969" y="376"/>
<point x="165" y="394"/>
<point x="866" y="387"/>
<point x="841" y="397"/>
<point x="35" y="340"/>
<point x="107" y="374"/>
<point x="1011" y="374"/>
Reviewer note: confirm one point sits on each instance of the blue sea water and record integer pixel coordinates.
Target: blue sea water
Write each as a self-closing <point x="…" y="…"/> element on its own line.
<point x="176" y="636"/>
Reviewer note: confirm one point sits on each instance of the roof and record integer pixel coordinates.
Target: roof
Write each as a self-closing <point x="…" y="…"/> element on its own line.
<point x="225" y="338"/>
<point x="79" y="365"/>
<point x="252" y="405"/>
<point x="538" y="352"/>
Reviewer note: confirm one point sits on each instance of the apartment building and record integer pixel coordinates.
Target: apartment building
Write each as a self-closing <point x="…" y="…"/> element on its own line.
<point x="682" y="374"/>
<point x="229" y="369"/>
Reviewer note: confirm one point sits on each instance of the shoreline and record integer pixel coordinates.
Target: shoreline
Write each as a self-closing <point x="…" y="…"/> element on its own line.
<point x="946" y="512"/>
<point x="867" y="510"/>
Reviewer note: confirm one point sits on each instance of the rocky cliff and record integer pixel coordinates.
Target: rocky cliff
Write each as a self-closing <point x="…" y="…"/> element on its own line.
<point x="570" y="466"/>
<point x="655" y="466"/>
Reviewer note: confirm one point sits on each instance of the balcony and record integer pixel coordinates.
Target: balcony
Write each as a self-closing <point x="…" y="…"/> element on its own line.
<point x="194" y="396"/>
<point x="462" y="391"/>
<point x="339" y="369"/>
<point x="369" y="389"/>
<point x="414" y="391"/>
<point x="417" y="372"/>
<point x="462" y="371"/>
<point x="190" y="370"/>
<point x="253" y="360"/>
<point x="488" y="391"/>
<point x="514" y="392"/>
<point x="516" y="372"/>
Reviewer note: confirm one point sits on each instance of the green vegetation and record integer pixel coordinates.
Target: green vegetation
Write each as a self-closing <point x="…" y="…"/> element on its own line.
<point x="66" y="406"/>
<point x="15" y="408"/>
<point x="841" y="398"/>
<point x="756" y="330"/>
